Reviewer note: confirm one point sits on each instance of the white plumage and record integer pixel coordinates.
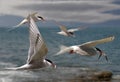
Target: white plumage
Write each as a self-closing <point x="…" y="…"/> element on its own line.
<point x="35" y="16"/>
<point x="87" y="48"/>
<point x="37" y="50"/>
<point x="68" y="32"/>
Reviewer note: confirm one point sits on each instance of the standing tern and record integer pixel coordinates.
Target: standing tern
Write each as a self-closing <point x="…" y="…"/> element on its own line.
<point x="68" y="32"/>
<point x="37" y="50"/>
<point x="87" y="48"/>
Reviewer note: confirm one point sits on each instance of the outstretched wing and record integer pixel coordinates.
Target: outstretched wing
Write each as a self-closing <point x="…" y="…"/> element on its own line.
<point x="77" y="29"/>
<point x="63" y="28"/>
<point x="21" y="23"/>
<point x="38" y="48"/>
<point x="24" y="21"/>
<point x="96" y="42"/>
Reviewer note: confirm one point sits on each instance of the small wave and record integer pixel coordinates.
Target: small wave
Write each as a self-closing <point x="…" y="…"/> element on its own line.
<point x="5" y="65"/>
<point x="5" y="80"/>
<point x="117" y="77"/>
<point x="41" y="74"/>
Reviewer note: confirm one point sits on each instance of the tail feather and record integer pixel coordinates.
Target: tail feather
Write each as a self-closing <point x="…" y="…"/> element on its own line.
<point x="23" y="67"/>
<point x="63" y="49"/>
<point x="12" y="68"/>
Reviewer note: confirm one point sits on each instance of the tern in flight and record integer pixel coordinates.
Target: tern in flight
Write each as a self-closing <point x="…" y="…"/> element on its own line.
<point x="87" y="48"/>
<point x="68" y="32"/>
<point x="36" y="17"/>
<point x="37" y="50"/>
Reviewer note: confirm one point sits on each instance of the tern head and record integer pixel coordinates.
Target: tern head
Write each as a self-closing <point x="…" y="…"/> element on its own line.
<point x="53" y="65"/>
<point x="71" y="52"/>
<point x="36" y="16"/>
<point x="74" y="49"/>
<point x="71" y="33"/>
<point x="40" y="18"/>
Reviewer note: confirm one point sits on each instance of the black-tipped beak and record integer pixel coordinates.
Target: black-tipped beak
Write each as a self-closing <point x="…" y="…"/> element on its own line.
<point x="103" y="55"/>
<point x="106" y="58"/>
<point x="99" y="56"/>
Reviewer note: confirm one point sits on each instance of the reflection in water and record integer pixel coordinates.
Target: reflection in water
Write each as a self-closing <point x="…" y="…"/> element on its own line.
<point x="44" y="75"/>
<point x="60" y="74"/>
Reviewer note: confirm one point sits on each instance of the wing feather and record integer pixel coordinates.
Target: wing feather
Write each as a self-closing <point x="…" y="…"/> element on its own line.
<point x="38" y="48"/>
<point x="63" y="28"/>
<point x="22" y="22"/>
<point x="77" y="29"/>
<point x="96" y="42"/>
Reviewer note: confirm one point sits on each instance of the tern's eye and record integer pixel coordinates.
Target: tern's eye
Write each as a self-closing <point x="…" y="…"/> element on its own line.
<point x="40" y="17"/>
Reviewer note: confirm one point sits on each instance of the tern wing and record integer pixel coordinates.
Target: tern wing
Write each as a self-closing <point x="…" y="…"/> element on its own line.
<point x="96" y="42"/>
<point x="63" y="28"/>
<point x="26" y="19"/>
<point x="38" y="48"/>
<point x="77" y="29"/>
<point x="22" y="22"/>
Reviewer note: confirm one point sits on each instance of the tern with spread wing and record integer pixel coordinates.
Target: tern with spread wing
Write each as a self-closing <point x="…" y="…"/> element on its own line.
<point x="37" y="50"/>
<point x="87" y="48"/>
<point x="68" y="32"/>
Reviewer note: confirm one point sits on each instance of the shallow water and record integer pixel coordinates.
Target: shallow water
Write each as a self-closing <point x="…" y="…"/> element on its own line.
<point x="60" y="74"/>
<point x="14" y="47"/>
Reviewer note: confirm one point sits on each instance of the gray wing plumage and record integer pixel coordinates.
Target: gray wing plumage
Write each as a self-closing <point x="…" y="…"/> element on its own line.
<point x="77" y="29"/>
<point x="38" y="48"/>
<point x="63" y="28"/>
<point x="96" y="42"/>
<point x="26" y="19"/>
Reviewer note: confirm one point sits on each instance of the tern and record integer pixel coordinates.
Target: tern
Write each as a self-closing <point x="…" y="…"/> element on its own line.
<point x="87" y="48"/>
<point x="36" y="17"/>
<point x="68" y="32"/>
<point x="37" y="50"/>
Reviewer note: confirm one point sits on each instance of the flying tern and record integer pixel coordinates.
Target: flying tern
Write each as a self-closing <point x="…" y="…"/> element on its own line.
<point x="69" y="32"/>
<point x="87" y="48"/>
<point x="36" y="17"/>
<point x="37" y="50"/>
